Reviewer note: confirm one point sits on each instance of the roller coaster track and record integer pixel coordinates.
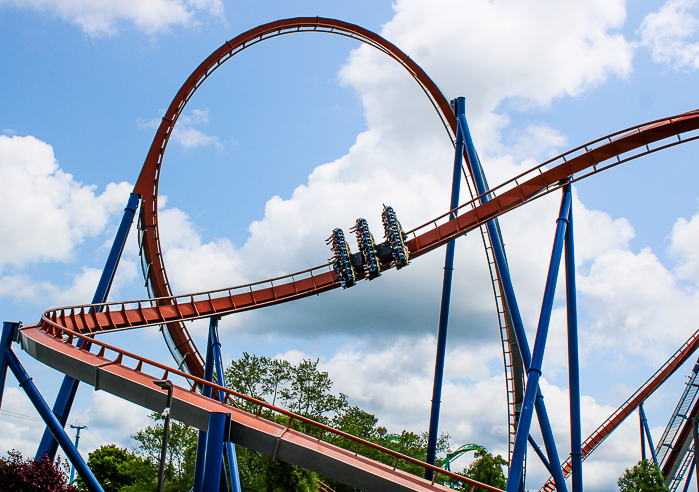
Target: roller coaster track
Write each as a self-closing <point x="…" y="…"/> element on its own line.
<point x="62" y="326"/>
<point x="51" y="340"/>
<point x="179" y="340"/>
<point x="577" y="164"/>
<point x="673" y="462"/>
<point x="176" y="334"/>
<point x="108" y="370"/>
<point x="632" y="403"/>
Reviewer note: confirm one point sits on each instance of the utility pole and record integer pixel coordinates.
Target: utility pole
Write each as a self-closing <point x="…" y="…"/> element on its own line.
<point x="78" y="428"/>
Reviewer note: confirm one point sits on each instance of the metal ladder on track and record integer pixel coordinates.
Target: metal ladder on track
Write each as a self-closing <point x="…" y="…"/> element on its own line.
<point x="679" y="416"/>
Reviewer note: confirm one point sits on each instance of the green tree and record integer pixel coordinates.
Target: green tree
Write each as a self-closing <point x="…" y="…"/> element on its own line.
<point x="278" y="373"/>
<point x="122" y="469"/>
<point x="644" y="477"/>
<point x="248" y="375"/>
<point x="307" y="391"/>
<point x="486" y="469"/>
<point x="181" y="451"/>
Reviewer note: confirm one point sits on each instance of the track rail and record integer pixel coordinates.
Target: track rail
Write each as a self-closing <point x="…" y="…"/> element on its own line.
<point x="110" y="370"/>
<point x="535" y="183"/>
<point x="148" y="181"/>
<point x="631" y="404"/>
<point x="579" y="163"/>
<point x="176" y="334"/>
<point x="70" y="323"/>
<point x="669" y="440"/>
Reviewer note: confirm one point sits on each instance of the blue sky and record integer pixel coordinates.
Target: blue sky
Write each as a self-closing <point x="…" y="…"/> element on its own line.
<point x="304" y="133"/>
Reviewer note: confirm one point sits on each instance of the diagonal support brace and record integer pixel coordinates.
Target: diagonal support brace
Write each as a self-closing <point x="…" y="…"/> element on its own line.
<point x="534" y="371"/>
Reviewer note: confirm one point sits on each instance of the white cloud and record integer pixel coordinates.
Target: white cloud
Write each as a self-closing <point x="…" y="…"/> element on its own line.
<point x="21" y="427"/>
<point x="104" y="17"/>
<point x="193" y="266"/>
<point x="24" y="288"/>
<point x="489" y="51"/>
<point x="683" y="240"/>
<point x="46" y="212"/>
<point x="669" y="32"/>
<point x="185" y="133"/>
<point x="113" y="420"/>
<point x="526" y="52"/>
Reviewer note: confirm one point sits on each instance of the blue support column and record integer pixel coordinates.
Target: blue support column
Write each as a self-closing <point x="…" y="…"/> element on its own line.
<point x="55" y="427"/>
<point x="573" y="361"/>
<point x="644" y="420"/>
<point x="534" y="371"/>
<point x="511" y="301"/>
<point x="459" y="109"/>
<point x="9" y="332"/>
<point x="218" y="361"/>
<point x="69" y="387"/>
<point x="539" y="453"/>
<point x="199" y="467"/>
<point x="642" y="431"/>
<point x="214" y="441"/>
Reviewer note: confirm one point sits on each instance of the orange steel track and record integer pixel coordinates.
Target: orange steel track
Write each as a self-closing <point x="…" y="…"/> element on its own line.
<point x="176" y="334"/>
<point x="62" y="326"/>
<point x="576" y="164"/>
<point x="147" y="184"/>
<point x="254" y="431"/>
<point x="51" y="340"/>
<point x="631" y="404"/>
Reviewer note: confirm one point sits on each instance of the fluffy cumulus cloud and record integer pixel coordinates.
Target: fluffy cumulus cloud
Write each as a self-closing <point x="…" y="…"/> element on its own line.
<point x="20" y="423"/>
<point x="526" y="53"/>
<point x="535" y="52"/>
<point x="48" y="213"/>
<point x="684" y="237"/>
<point x="488" y="51"/>
<point x="670" y="34"/>
<point x="105" y="17"/>
<point x="186" y="132"/>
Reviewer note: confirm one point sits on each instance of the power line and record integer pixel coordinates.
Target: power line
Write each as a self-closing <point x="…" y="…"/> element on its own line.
<point x="20" y="416"/>
<point x="98" y="439"/>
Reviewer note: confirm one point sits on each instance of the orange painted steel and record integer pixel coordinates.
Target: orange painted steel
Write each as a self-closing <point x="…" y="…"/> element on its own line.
<point x="63" y="343"/>
<point x="165" y="309"/>
<point x="69" y="324"/>
<point x="632" y="403"/>
<point x="584" y="161"/>
<point x="148" y="181"/>
<point x="579" y="163"/>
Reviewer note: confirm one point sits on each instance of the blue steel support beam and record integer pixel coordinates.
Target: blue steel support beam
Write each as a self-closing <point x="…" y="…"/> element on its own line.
<point x="218" y="361"/>
<point x="647" y="430"/>
<point x="9" y="331"/>
<point x="69" y="387"/>
<point x="573" y="360"/>
<point x="55" y="427"/>
<point x="459" y="109"/>
<point x="218" y="367"/>
<point x="539" y="453"/>
<point x="214" y="458"/>
<point x="199" y="467"/>
<point x="534" y="371"/>
<point x="642" y="430"/>
<point x="511" y="301"/>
